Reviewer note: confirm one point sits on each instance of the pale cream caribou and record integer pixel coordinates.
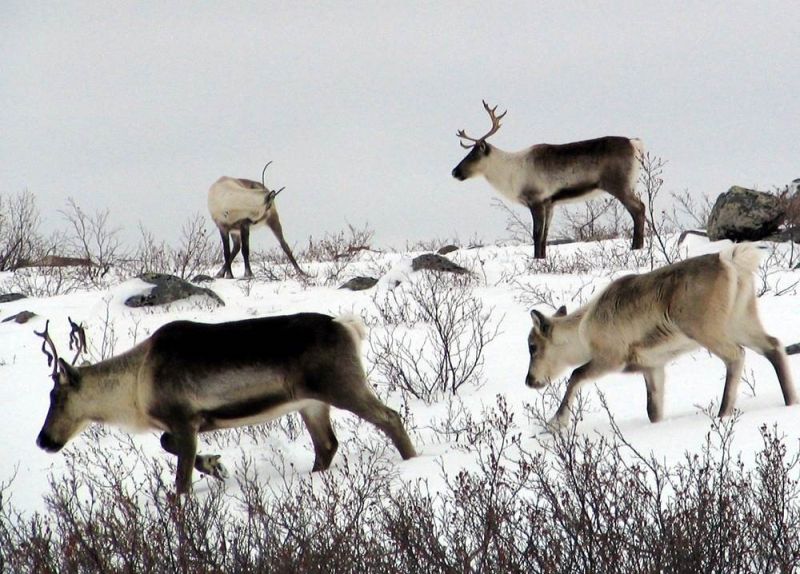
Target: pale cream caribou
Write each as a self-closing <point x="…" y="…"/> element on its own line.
<point x="640" y="322"/>
<point x="236" y="205"/>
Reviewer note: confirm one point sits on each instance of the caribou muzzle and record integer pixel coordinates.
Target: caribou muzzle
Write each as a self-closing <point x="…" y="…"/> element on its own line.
<point x="533" y="383"/>
<point x="45" y="443"/>
<point x="458" y="174"/>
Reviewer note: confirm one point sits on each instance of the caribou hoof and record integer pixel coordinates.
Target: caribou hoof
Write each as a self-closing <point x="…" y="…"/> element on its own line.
<point x="209" y="464"/>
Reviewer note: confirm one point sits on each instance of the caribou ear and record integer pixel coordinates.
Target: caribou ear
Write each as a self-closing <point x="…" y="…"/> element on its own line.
<point x="67" y="374"/>
<point x="540" y="322"/>
<point x="561" y="311"/>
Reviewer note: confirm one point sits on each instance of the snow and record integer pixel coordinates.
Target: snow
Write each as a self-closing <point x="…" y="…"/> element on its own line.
<point x="504" y="283"/>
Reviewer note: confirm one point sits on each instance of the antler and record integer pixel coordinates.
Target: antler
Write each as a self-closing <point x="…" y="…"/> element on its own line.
<point x="264" y="171"/>
<point x="495" y="126"/>
<point x="272" y="194"/>
<point x="77" y="339"/>
<point x="52" y="358"/>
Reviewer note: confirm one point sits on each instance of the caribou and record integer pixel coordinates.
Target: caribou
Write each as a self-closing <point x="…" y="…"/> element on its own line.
<point x="543" y="175"/>
<point x="189" y="378"/>
<point x="641" y="322"/>
<point x="235" y="205"/>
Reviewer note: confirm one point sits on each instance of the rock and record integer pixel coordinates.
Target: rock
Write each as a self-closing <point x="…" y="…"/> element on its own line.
<point x="56" y="261"/>
<point x="434" y="262"/>
<point x="447" y="249"/>
<point x="9" y="297"/>
<point x="202" y="278"/>
<point x="21" y="317"/>
<point x="793" y="349"/>
<point x="359" y="283"/>
<point x="168" y="289"/>
<point x="742" y="214"/>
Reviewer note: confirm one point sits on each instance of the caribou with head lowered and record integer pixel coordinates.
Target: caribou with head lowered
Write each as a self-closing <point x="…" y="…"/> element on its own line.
<point x="189" y="378"/>
<point x="237" y="204"/>
<point x="641" y="322"/>
<point x="543" y="175"/>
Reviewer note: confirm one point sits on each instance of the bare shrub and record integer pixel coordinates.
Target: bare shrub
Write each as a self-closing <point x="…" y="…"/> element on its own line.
<point x="19" y="231"/>
<point x="518" y="226"/>
<point x="790" y="198"/>
<point x="659" y="225"/>
<point x="575" y="263"/>
<point x="690" y="209"/>
<point x="150" y="255"/>
<point x="47" y="281"/>
<point x="88" y="250"/>
<point x="456" y="328"/>
<point x="344" y="244"/>
<point x="535" y="293"/>
<point x="271" y="265"/>
<point x="592" y="220"/>
<point x="194" y="254"/>
<point x="596" y="220"/>
<point x="775" y="274"/>
<point x="90" y="237"/>
<point x="556" y="503"/>
<point x="104" y="346"/>
<point x="338" y="250"/>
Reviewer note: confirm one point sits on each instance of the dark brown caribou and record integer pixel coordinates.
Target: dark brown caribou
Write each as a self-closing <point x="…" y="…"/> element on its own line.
<point x="544" y="175"/>
<point x="188" y="378"/>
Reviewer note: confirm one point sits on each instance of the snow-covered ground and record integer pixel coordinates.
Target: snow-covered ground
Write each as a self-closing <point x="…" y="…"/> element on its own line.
<point x="505" y="284"/>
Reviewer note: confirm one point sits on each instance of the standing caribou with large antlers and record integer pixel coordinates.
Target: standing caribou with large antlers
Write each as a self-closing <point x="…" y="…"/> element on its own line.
<point x="236" y="204"/>
<point x="544" y="174"/>
<point x="189" y="378"/>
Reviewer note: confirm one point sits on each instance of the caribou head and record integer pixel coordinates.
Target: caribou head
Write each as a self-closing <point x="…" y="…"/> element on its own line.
<point x="63" y="420"/>
<point x="471" y="165"/>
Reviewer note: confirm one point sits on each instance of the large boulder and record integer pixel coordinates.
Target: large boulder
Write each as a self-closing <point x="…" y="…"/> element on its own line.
<point x="742" y="214"/>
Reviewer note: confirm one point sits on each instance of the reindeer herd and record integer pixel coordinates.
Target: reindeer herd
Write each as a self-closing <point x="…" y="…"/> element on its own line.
<point x="188" y="377"/>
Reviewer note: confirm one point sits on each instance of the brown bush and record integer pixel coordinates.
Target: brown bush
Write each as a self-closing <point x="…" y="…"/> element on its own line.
<point x="572" y="504"/>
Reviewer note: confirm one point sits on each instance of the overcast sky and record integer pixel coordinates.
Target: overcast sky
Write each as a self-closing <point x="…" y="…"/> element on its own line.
<point x="139" y="107"/>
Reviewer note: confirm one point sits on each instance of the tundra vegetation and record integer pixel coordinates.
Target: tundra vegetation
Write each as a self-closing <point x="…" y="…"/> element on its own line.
<point x="510" y="498"/>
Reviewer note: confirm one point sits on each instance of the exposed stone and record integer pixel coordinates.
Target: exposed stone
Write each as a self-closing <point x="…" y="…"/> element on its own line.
<point x="56" y="261"/>
<point x="21" y="317"/>
<point x="793" y="349"/>
<point x="9" y="297"/>
<point x="434" y="262"/>
<point x="359" y="283"/>
<point x="742" y="214"/>
<point x="202" y="278"/>
<point x="168" y="289"/>
<point x="447" y="249"/>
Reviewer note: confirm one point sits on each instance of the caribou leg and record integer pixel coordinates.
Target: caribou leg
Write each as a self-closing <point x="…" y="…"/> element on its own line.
<point x="539" y="216"/>
<point x="274" y="223"/>
<point x="225" y="270"/>
<point x="318" y="423"/>
<point x="245" y="240"/>
<point x="368" y="407"/>
<point x="206" y="463"/>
